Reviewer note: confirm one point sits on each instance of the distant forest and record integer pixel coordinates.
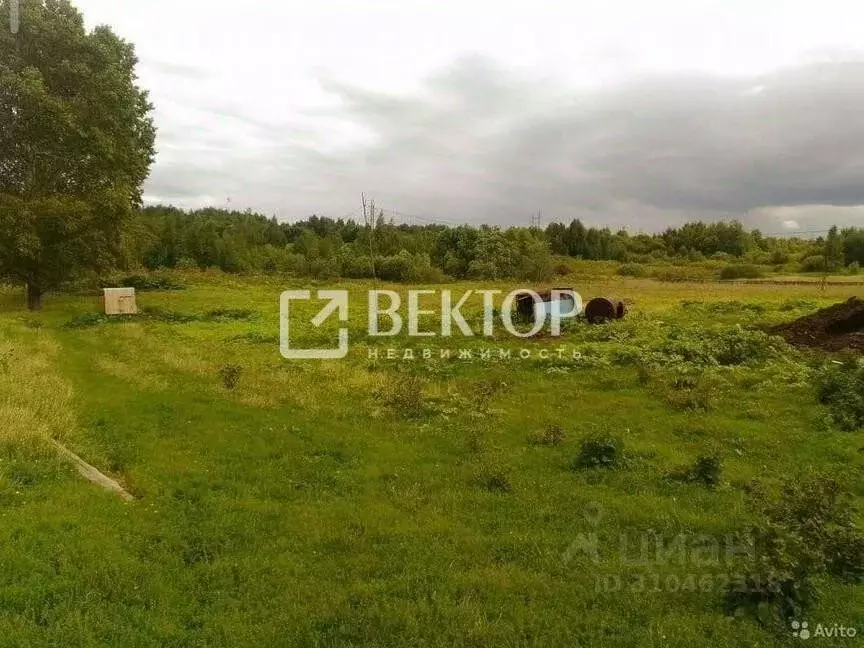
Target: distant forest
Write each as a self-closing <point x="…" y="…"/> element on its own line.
<point x="167" y="237"/>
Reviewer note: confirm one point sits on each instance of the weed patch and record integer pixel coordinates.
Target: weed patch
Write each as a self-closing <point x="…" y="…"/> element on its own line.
<point x="724" y="347"/>
<point x="150" y="282"/>
<point x="841" y="389"/>
<point x="808" y="531"/>
<point x="741" y="271"/>
<point x="690" y="390"/>
<point x="600" y="451"/>
<point x="230" y="375"/>
<point x="403" y="396"/>
<point x="157" y="314"/>
<point x="705" y="472"/>
<point x="483" y="393"/>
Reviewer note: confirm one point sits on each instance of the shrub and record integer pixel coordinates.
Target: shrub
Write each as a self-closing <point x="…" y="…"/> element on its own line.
<point x="422" y="271"/>
<point x="741" y="271"/>
<point x="150" y="282"/>
<point x="736" y="346"/>
<point x="809" y="531"/>
<point x="561" y="269"/>
<point x="87" y="320"/>
<point x="394" y="268"/>
<point x="841" y="389"/>
<point x="600" y="451"/>
<point x="645" y="373"/>
<point x="813" y="263"/>
<point x="778" y="258"/>
<point x="324" y="268"/>
<point x="230" y="375"/>
<point x="633" y="270"/>
<point x="187" y="264"/>
<point x="705" y="472"/>
<point x="483" y="393"/>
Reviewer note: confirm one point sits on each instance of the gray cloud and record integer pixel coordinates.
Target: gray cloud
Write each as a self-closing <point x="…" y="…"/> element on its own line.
<point x="481" y="142"/>
<point x="188" y="72"/>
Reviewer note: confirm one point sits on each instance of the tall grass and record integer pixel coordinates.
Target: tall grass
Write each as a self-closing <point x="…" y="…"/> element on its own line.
<point x="35" y="400"/>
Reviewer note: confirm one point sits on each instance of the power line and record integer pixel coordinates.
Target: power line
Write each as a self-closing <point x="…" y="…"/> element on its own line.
<point x="426" y="219"/>
<point x="793" y="233"/>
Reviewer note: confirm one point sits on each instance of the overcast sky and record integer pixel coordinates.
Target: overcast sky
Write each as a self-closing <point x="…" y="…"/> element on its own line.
<point x="628" y="113"/>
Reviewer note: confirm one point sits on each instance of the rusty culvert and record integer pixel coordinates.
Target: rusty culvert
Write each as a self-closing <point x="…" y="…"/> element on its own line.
<point x="603" y="309"/>
<point x="525" y="302"/>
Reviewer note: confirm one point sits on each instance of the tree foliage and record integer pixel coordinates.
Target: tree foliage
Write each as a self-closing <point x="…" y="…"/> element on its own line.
<point x="76" y="144"/>
<point x="167" y="237"/>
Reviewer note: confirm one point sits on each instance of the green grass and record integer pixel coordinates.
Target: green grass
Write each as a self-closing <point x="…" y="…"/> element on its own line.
<point x="383" y="503"/>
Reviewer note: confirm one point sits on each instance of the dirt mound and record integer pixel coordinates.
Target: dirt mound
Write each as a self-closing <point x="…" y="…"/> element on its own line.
<point x="837" y="327"/>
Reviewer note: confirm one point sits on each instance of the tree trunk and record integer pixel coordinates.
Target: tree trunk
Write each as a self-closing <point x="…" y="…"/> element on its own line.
<point x="34" y="296"/>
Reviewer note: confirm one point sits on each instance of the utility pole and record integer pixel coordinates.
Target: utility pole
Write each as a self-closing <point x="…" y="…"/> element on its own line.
<point x="537" y="221"/>
<point x="370" y="223"/>
<point x="14" y="16"/>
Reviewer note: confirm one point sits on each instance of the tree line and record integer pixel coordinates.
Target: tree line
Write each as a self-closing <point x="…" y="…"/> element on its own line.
<point x="168" y="237"/>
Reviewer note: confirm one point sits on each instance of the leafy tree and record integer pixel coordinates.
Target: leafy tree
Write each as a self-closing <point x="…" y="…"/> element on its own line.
<point x="557" y="235"/>
<point x="853" y="245"/>
<point x="576" y="239"/>
<point x="76" y="144"/>
<point x="833" y="250"/>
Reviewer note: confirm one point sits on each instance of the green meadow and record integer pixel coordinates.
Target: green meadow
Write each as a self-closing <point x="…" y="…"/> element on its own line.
<point x="540" y="500"/>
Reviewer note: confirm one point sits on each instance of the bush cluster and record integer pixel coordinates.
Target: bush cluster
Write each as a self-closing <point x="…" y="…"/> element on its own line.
<point x="741" y="271"/>
<point x="840" y="387"/>
<point x="600" y="451"/>
<point x="808" y="531"/>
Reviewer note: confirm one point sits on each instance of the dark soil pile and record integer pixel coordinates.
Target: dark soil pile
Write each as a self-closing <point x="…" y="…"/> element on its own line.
<point x="835" y="328"/>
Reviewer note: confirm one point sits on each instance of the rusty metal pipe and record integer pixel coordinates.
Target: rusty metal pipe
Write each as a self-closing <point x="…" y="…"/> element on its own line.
<point x="603" y="309"/>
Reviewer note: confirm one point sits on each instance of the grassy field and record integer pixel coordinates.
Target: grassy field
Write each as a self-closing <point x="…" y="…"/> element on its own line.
<point x="380" y="502"/>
